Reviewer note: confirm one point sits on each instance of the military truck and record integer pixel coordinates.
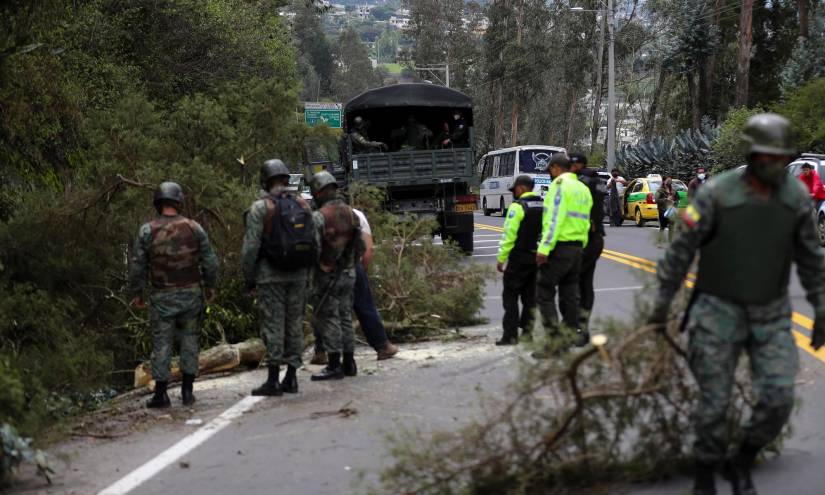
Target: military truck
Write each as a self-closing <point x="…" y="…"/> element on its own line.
<point x="423" y="171"/>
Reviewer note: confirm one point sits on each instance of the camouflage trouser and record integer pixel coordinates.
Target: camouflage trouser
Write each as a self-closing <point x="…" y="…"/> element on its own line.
<point x="333" y="319"/>
<point x="719" y="332"/>
<point x="282" y="306"/>
<point x="170" y="313"/>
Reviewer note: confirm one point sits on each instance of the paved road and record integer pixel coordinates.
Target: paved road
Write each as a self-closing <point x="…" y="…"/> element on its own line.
<point x="301" y="445"/>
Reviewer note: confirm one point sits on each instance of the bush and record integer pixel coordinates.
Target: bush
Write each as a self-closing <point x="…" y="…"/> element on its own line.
<point x="16" y="450"/>
<point x="727" y="150"/>
<point x="804" y="108"/>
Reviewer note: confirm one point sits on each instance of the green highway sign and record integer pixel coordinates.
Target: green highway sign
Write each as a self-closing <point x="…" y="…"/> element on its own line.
<point x="318" y="113"/>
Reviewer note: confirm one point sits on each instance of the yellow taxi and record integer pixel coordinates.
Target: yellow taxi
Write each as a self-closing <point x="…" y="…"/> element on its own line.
<point x="640" y="198"/>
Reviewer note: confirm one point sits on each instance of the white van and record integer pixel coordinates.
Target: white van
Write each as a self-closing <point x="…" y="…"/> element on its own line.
<point x="500" y="168"/>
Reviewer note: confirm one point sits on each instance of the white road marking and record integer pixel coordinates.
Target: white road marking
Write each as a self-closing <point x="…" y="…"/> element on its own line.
<point x="180" y="449"/>
<point x="485" y="255"/>
<point x="609" y="289"/>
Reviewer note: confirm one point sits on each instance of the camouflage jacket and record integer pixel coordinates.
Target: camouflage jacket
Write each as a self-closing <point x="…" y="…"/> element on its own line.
<point x="141" y="263"/>
<point x="701" y="224"/>
<point x="258" y="270"/>
<point x="351" y="253"/>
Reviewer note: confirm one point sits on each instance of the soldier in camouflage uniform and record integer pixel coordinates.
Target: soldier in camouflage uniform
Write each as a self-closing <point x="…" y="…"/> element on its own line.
<point x="173" y="253"/>
<point x="342" y="245"/>
<point x="360" y="141"/>
<point x="740" y="301"/>
<point x="281" y="293"/>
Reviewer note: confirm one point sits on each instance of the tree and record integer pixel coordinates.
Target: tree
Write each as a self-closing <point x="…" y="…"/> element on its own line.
<point x="744" y="57"/>
<point x="313" y="47"/>
<point x="354" y="73"/>
<point x="387" y="46"/>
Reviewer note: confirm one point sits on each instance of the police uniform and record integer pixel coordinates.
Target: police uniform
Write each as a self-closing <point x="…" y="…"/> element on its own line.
<point x="518" y="250"/>
<point x="595" y="243"/>
<point x="565" y="227"/>
<point x="174" y="254"/>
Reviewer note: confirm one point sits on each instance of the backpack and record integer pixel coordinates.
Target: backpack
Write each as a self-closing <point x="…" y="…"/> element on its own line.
<point x="289" y="237"/>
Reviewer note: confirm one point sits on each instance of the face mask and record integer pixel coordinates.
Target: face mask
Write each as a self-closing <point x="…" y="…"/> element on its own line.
<point x="701" y="176"/>
<point x="456" y="117"/>
<point x="771" y="173"/>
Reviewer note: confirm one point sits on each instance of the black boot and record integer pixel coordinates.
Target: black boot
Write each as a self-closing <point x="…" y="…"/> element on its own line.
<point x="350" y="368"/>
<point x="738" y="470"/>
<point x="507" y="339"/>
<point x="290" y="383"/>
<point x="161" y="399"/>
<point x="582" y="337"/>
<point x="333" y="371"/>
<point x="271" y="387"/>
<point x="703" y="480"/>
<point x="186" y="390"/>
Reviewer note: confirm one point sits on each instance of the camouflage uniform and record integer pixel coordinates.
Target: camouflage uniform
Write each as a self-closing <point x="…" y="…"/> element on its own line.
<point x="281" y="294"/>
<point x="174" y="253"/>
<point x="741" y="303"/>
<point x="339" y="234"/>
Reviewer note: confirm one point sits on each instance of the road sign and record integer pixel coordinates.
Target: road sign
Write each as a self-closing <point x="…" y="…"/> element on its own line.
<point x="316" y="113"/>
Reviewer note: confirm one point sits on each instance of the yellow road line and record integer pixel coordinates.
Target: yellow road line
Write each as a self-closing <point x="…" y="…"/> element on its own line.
<point x="489" y="227"/>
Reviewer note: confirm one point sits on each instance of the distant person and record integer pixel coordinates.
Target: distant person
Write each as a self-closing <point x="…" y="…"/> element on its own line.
<point x="697" y="182"/>
<point x="459" y="134"/>
<point x="666" y="198"/>
<point x="174" y="255"/>
<point x="360" y="141"/>
<point x="412" y="136"/>
<point x="615" y="191"/>
<point x="444" y="138"/>
<point x="813" y="182"/>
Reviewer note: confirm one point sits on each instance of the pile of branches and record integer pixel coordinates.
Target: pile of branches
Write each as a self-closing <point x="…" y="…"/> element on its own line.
<point x="618" y="412"/>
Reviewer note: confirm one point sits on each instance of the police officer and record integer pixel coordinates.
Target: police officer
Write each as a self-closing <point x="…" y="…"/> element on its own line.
<point x="595" y="239"/>
<point x="360" y="141"/>
<point x="740" y="301"/>
<point x="342" y="245"/>
<point x="517" y="251"/>
<point x="565" y="227"/>
<point x="281" y="291"/>
<point x="173" y="253"/>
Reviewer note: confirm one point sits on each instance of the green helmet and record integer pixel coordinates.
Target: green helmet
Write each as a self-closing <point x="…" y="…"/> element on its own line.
<point x="272" y="168"/>
<point x="768" y="133"/>
<point x="168" y="191"/>
<point x="321" y="180"/>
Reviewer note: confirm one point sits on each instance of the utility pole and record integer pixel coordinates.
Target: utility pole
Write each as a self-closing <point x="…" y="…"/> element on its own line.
<point x="611" y="90"/>
<point x="597" y="90"/>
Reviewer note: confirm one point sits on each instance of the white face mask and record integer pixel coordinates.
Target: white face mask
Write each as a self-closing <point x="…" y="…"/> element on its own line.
<point x="456" y="117"/>
<point x="701" y="176"/>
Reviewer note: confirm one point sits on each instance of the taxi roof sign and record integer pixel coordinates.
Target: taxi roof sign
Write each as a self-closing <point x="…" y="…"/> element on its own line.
<point x="654" y="176"/>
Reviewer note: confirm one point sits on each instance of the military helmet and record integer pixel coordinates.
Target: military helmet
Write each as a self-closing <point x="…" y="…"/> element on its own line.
<point x="272" y="168"/>
<point x="321" y="180"/>
<point x="768" y="133"/>
<point x="168" y="191"/>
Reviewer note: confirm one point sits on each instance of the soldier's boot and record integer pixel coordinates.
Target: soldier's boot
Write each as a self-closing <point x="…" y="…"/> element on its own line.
<point x="582" y="337"/>
<point x="290" y="383"/>
<point x="350" y="368"/>
<point x="738" y="471"/>
<point x="186" y="390"/>
<point x="333" y="371"/>
<point x="508" y="338"/>
<point x="161" y="399"/>
<point x="703" y="480"/>
<point x="319" y="357"/>
<point x="271" y="387"/>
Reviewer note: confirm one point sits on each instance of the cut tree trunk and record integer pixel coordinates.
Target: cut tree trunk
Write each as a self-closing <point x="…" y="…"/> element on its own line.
<point x="744" y="58"/>
<point x="223" y="357"/>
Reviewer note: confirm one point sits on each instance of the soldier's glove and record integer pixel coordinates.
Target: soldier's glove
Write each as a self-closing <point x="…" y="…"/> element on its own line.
<point x="658" y="318"/>
<point x="818" y="333"/>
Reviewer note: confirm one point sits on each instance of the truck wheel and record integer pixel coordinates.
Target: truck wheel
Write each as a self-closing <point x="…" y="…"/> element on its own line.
<point x="484" y="208"/>
<point x="465" y="242"/>
<point x="640" y="221"/>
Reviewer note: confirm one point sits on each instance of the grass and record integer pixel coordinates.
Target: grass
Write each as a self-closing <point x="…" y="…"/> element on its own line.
<point x="393" y="68"/>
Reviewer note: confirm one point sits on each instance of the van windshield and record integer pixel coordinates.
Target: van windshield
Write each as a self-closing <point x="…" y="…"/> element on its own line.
<point x="535" y="161"/>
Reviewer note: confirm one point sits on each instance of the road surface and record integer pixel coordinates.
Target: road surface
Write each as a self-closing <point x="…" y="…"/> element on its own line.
<point x="330" y="438"/>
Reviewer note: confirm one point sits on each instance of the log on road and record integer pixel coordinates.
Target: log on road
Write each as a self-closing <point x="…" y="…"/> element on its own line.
<point x="223" y="357"/>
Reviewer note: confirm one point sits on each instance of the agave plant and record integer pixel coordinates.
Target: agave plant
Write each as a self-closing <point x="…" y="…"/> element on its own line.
<point x="678" y="157"/>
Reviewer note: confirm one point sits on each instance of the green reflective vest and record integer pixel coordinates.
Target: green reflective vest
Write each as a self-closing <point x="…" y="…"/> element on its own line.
<point x="566" y="213"/>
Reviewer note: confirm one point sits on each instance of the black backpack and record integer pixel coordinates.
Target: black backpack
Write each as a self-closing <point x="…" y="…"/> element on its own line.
<point x="289" y="237"/>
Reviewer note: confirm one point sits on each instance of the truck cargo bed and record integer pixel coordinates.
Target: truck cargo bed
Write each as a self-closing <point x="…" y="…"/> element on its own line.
<point x="413" y="167"/>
